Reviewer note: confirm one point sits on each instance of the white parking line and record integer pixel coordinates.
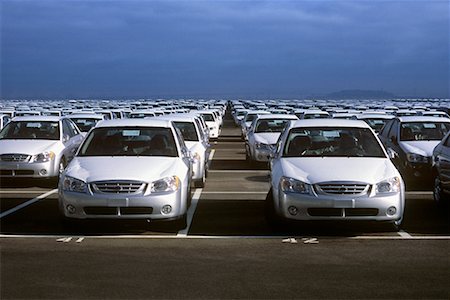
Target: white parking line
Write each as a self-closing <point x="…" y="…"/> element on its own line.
<point x="19" y="192"/>
<point x="199" y="237"/>
<point x="191" y="212"/>
<point x="211" y="154"/>
<point x="12" y="210"/>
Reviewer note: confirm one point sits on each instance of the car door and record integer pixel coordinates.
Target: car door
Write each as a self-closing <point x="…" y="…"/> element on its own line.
<point x="71" y="139"/>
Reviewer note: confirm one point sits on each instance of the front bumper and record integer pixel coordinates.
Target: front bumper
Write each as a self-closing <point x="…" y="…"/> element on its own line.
<point x="321" y="207"/>
<point x="28" y="170"/>
<point x="121" y="206"/>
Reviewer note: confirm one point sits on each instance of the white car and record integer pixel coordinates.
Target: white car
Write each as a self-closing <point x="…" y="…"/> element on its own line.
<point x="331" y="169"/>
<point x="37" y="146"/>
<point x="263" y="135"/>
<point x="192" y="134"/>
<point x="128" y="169"/>
<point x="86" y="122"/>
<point x="213" y="123"/>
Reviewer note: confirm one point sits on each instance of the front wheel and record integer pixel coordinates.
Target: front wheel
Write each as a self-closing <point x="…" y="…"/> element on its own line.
<point x="438" y="193"/>
<point x="270" y="213"/>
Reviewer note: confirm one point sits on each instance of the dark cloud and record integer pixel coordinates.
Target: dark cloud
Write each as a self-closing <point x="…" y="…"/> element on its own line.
<point x="223" y="48"/>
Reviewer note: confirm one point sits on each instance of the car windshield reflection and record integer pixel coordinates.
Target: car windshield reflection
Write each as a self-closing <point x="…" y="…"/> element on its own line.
<point x="129" y="141"/>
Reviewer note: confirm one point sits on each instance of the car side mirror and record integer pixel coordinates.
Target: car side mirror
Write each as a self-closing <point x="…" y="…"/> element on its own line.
<point x="65" y="138"/>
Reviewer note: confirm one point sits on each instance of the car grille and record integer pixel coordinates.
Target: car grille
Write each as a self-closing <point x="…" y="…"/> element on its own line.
<point x="116" y="211"/>
<point x="342" y="188"/>
<point x="16" y="172"/>
<point x="118" y="187"/>
<point x="342" y="212"/>
<point x="15" y="157"/>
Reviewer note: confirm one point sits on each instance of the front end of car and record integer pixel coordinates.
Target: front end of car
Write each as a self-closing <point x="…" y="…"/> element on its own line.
<point x="341" y="200"/>
<point x="121" y="199"/>
<point x="124" y="188"/>
<point x="33" y="164"/>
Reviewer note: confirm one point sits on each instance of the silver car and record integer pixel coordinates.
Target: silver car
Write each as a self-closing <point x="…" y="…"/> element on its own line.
<point x="192" y="134"/>
<point x="263" y="135"/>
<point x="326" y="169"/>
<point x="37" y="146"/>
<point x="129" y="169"/>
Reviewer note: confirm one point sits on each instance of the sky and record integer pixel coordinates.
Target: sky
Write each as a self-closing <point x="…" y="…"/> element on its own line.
<point x="228" y="49"/>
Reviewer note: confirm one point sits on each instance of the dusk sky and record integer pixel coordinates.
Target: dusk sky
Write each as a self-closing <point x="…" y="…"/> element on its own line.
<point x="262" y="49"/>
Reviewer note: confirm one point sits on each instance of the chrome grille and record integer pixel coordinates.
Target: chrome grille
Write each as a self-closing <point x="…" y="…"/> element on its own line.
<point x="336" y="188"/>
<point x="14" y="157"/>
<point x="118" y="187"/>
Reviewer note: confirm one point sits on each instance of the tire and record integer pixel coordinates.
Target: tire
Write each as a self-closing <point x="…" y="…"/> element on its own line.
<point x="438" y="193"/>
<point x="180" y="223"/>
<point x="269" y="209"/>
<point x="200" y="183"/>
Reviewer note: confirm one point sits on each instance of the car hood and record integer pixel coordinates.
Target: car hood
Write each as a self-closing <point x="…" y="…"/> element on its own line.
<point x="424" y="148"/>
<point x="140" y="168"/>
<point x="324" y="169"/>
<point x="30" y="147"/>
<point x="267" y="137"/>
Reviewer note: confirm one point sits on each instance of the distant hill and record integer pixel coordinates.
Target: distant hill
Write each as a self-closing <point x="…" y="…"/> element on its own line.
<point x="361" y="94"/>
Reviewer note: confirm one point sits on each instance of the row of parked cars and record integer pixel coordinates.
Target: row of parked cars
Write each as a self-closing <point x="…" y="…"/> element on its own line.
<point x="134" y="168"/>
<point x="143" y="167"/>
<point x="339" y="168"/>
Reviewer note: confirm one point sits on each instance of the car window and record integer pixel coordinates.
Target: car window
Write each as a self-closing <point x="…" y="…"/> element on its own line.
<point x="85" y="124"/>
<point x="270" y="125"/>
<point x="332" y="142"/>
<point x="393" y="132"/>
<point x="39" y="130"/>
<point x="423" y="131"/>
<point x="187" y="130"/>
<point x="447" y="142"/>
<point x="67" y="130"/>
<point x="384" y="131"/>
<point x="129" y="141"/>
<point x="208" y="117"/>
<point x="73" y="127"/>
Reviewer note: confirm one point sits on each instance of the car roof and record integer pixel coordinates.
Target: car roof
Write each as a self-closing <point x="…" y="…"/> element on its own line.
<point x="374" y="116"/>
<point x="86" y="116"/>
<point x="176" y="117"/>
<point x="277" y="116"/>
<point x="330" y="123"/>
<point x="39" y="118"/>
<point x="151" y="122"/>
<point x="422" y="119"/>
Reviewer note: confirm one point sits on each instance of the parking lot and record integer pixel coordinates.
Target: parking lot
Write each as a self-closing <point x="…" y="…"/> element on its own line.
<point x="227" y="251"/>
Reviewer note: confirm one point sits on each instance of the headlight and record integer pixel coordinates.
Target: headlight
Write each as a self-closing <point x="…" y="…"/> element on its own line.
<point x="292" y="185"/>
<point x="43" y="157"/>
<point x="262" y="146"/>
<point x="74" y="185"/>
<point x="416" y="158"/>
<point x="168" y="184"/>
<point x="391" y="185"/>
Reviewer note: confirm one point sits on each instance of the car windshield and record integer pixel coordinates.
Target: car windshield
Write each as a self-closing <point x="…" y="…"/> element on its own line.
<point x="208" y="117"/>
<point x="187" y="130"/>
<point x="332" y="142"/>
<point x="423" y="131"/>
<point x="376" y="124"/>
<point x="250" y="117"/>
<point x="31" y="130"/>
<point x="129" y="141"/>
<point x="270" y="125"/>
<point x="85" y="124"/>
